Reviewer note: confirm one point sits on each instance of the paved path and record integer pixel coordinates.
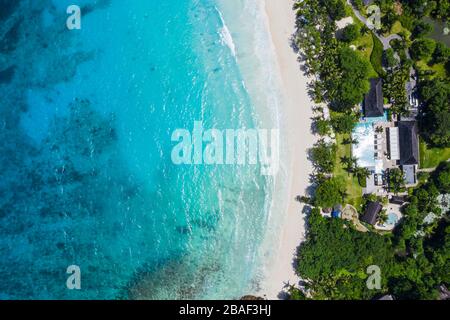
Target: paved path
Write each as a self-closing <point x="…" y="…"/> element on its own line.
<point x="385" y="40"/>
<point x="351" y="214"/>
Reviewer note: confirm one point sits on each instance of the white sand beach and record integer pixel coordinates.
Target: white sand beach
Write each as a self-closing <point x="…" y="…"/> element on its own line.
<point x="297" y="113"/>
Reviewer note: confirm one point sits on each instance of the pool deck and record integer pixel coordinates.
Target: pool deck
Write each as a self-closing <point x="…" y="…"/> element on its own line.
<point x="380" y="154"/>
<point x="351" y="214"/>
<point x="391" y="208"/>
<point x="384" y="151"/>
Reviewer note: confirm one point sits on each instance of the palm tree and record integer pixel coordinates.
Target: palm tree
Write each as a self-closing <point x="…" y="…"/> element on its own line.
<point x="350" y="140"/>
<point x="350" y="163"/>
<point x="396" y="180"/>
<point x="382" y="217"/>
<point x="345" y="161"/>
<point x="362" y="173"/>
<point x="364" y="30"/>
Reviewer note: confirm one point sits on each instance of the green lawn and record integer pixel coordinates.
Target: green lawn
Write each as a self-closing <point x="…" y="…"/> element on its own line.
<point x="431" y="158"/>
<point x="364" y="44"/>
<point x="397" y="28"/>
<point x="422" y="65"/>
<point x="354" y="190"/>
<point x="376" y="58"/>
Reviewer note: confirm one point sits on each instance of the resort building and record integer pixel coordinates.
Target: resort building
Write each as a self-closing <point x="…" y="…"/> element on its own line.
<point x="383" y="145"/>
<point x="409" y="150"/>
<point x="409" y="143"/>
<point x="374" y="101"/>
<point x="372" y="212"/>
<point x="444" y="293"/>
<point x="398" y="200"/>
<point x="412" y="94"/>
<point x="393" y="143"/>
<point x="413" y="103"/>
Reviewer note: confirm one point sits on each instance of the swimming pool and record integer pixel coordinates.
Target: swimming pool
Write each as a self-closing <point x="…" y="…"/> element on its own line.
<point x="392" y="219"/>
<point x="364" y="149"/>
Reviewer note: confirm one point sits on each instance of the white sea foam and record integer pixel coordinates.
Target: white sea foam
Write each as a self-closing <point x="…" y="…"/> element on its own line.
<point x="225" y="35"/>
<point x="248" y="21"/>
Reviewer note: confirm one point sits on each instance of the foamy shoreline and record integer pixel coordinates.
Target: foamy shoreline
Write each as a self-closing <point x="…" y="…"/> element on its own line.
<point x="297" y="113"/>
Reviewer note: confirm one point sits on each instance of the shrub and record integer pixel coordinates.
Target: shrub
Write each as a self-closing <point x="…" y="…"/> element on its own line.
<point x="422" y="49"/>
<point x="351" y="33"/>
<point x="344" y="123"/>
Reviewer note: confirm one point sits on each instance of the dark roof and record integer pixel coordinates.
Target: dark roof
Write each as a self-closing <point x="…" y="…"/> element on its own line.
<point x="400" y="200"/>
<point x="409" y="172"/>
<point x="373" y="101"/>
<point x="444" y="293"/>
<point x="371" y="214"/>
<point x="409" y="142"/>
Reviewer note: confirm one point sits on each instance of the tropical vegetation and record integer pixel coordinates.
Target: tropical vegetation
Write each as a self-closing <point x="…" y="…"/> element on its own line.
<point x="415" y="258"/>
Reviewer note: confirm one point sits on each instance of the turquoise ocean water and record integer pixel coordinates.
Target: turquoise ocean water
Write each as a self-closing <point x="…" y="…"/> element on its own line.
<point x="86" y="118"/>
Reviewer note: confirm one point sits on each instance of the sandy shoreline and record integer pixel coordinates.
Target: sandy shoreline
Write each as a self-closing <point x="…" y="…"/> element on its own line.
<point x="297" y="113"/>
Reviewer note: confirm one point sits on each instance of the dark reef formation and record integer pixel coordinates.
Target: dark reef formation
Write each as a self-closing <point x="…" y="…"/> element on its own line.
<point x="7" y="8"/>
<point x="7" y="75"/>
<point x="53" y="194"/>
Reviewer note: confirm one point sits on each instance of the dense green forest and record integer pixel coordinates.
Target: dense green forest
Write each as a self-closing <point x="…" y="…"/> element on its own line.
<point x="414" y="260"/>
